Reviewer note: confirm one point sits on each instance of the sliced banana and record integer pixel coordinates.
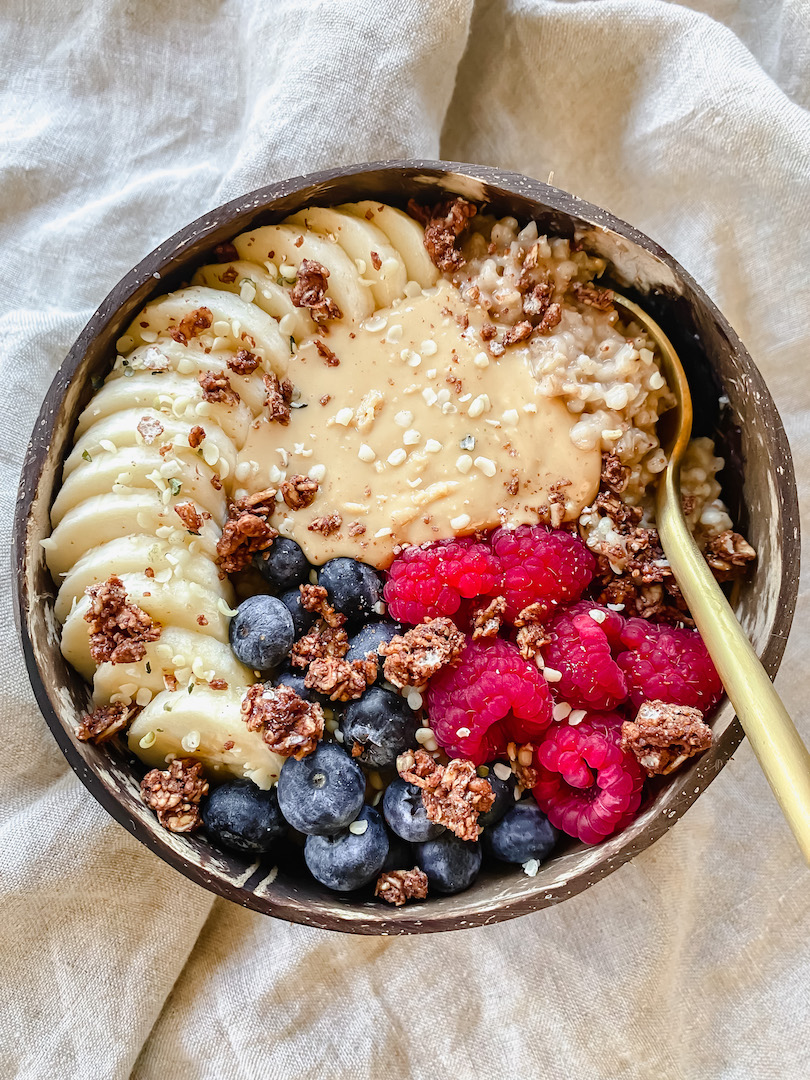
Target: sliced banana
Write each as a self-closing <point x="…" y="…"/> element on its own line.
<point x="178" y="654"/>
<point x="113" y="432"/>
<point x="279" y="244"/>
<point x="142" y="467"/>
<point x="237" y="324"/>
<point x="201" y="725"/>
<point x="132" y="555"/>
<point x="405" y="234"/>
<point x="364" y="243"/>
<point x="105" y="517"/>
<point x="246" y="278"/>
<point x="180" y="396"/>
<point x="192" y="360"/>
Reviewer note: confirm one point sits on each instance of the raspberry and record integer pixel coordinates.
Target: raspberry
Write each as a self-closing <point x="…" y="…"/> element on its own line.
<point x="665" y="663"/>
<point x="580" y="648"/>
<point x="541" y="565"/>
<point x="589" y="787"/>
<point x="493" y="693"/>
<point x="431" y="581"/>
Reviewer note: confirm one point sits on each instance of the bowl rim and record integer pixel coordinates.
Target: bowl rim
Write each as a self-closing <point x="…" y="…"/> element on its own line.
<point x="363" y="917"/>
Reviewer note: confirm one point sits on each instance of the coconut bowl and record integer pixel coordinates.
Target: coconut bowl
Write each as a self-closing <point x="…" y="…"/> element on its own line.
<point x="758" y="481"/>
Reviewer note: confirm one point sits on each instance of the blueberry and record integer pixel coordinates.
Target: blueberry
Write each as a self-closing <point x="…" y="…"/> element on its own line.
<point x="349" y="859"/>
<point x="523" y="833"/>
<point x="400" y="855"/>
<point x="354" y="588"/>
<point x="382" y="723"/>
<point x="504" y="791"/>
<point x="323" y="792"/>
<point x="262" y="632"/>
<point x="404" y="811"/>
<point x="303" y="620"/>
<point x="283" y="565"/>
<point x="241" y="816"/>
<point x="451" y="864"/>
<point x="370" y="637"/>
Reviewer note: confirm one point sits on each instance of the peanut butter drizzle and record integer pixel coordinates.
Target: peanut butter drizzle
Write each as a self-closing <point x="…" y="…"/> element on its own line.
<point x="392" y="393"/>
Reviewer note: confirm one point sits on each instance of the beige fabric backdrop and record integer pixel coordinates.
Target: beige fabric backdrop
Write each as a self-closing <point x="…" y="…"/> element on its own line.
<point x="122" y="120"/>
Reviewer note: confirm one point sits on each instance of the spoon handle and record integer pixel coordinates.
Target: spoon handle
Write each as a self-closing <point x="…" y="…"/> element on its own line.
<point x="771" y="733"/>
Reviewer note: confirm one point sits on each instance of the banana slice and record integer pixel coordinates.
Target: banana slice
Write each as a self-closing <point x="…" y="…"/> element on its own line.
<point x="105" y="517"/>
<point x="192" y="360"/>
<point x="405" y="234"/>
<point x="277" y="244"/>
<point x="113" y="432"/>
<point x="179" y="654"/>
<point x="361" y="241"/>
<point x="131" y="555"/>
<point x="180" y="396"/>
<point x="201" y="725"/>
<point x="245" y="278"/>
<point x="140" y="467"/>
<point x="235" y="323"/>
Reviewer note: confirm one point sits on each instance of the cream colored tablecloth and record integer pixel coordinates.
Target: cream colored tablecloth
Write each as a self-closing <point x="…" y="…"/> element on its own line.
<point x="121" y="120"/>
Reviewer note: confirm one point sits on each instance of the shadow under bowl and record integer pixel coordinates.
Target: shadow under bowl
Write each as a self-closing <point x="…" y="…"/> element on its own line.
<point x="759" y="485"/>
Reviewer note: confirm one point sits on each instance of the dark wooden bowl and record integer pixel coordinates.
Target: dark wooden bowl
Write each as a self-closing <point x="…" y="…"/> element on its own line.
<point x="759" y="483"/>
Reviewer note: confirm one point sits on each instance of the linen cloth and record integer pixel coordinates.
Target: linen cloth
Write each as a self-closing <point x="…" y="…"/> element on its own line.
<point x="120" y="122"/>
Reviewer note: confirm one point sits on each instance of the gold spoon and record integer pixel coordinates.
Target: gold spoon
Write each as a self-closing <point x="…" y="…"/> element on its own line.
<point x="774" y="739"/>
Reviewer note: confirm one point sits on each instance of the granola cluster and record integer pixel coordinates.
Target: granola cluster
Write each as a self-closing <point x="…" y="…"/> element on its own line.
<point x="412" y="658"/>
<point x="289" y="725"/>
<point x="322" y="652"/>
<point x="175" y="794"/>
<point x="119" y="631"/>
<point x="398" y="886"/>
<point x="217" y="389"/>
<point x="104" y="722"/>
<point x="663" y="736"/>
<point x="309" y="291"/>
<point x="277" y="398"/>
<point x="444" y="223"/>
<point x="247" y="530"/>
<point x="453" y="794"/>
<point x="192" y="325"/>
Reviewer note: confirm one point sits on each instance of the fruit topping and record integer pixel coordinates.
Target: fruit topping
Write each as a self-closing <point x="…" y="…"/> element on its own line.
<point x="540" y="565"/>
<point x="588" y="786"/>
<point x="283" y="564"/>
<point x="451" y="865"/>
<point x="378" y="727"/>
<point x="241" y="816"/>
<point x="350" y="858"/>
<point x="580" y="651"/>
<point x="354" y="588"/>
<point x="524" y="833"/>
<point x="405" y="813"/>
<point x="431" y="581"/>
<point x="262" y="632"/>
<point x="668" y="664"/>
<point x="490" y="698"/>
<point x="323" y="792"/>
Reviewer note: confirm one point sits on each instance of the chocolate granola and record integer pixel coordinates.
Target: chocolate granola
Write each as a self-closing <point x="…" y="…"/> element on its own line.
<point x="217" y="389"/>
<point x="299" y="491"/>
<point x="398" y="886"/>
<point x="487" y="617"/>
<point x="190" y="516"/>
<point x="192" y="325"/>
<point x="413" y="657"/>
<point x="175" y="794"/>
<point x="289" y="725"/>
<point x="244" y="363"/>
<point x="247" y="530"/>
<point x="277" y="397"/>
<point x="729" y="555"/>
<point x="663" y="736"/>
<point x="444" y="223"/>
<point x="104" y="722"/>
<point x="119" y="631"/>
<point x="309" y="291"/>
<point x="453" y="795"/>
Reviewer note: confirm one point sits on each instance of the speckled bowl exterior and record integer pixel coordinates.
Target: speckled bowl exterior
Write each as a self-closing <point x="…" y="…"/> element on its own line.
<point x="758" y="481"/>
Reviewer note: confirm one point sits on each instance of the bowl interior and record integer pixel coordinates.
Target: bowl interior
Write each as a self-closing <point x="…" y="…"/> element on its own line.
<point x="758" y="483"/>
